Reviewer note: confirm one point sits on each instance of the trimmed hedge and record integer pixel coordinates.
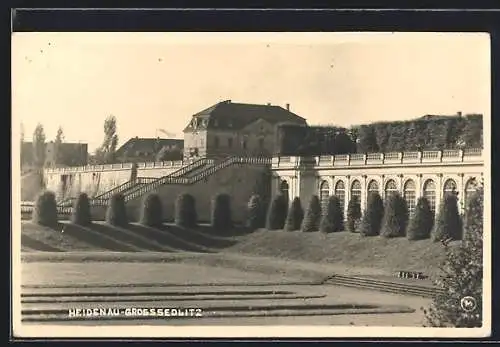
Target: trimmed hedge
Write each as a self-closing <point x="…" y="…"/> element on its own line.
<point x="185" y="211"/>
<point x="295" y="215"/>
<point x="421" y="222"/>
<point x="152" y="211"/>
<point x="333" y="220"/>
<point x="395" y="217"/>
<point x="116" y="213"/>
<point x="448" y="223"/>
<point x="81" y="211"/>
<point x="353" y="214"/>
<point x="372" y="219"/>
<point x="256" y="216"/>
<point x="312" y="217"/>
<point x="277" y="213"/>
<point x="45" y="209"/>
<point x="221" y="212"/>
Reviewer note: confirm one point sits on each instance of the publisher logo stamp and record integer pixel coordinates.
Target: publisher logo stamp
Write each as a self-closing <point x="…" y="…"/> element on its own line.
<point x="468" y="303"/>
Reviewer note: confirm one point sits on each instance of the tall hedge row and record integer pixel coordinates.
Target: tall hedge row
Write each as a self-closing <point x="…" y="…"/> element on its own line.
<point x="425" y="133"/>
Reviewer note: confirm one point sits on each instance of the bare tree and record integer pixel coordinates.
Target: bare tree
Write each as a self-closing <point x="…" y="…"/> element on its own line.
<point x="106" y="153"/>
<point x="57" y="145"/>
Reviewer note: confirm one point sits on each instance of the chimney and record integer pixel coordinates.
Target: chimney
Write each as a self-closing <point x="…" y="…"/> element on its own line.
<point x="268" y="104"/>
<point x="459" y="113"/>
<point x="288" y="107"/>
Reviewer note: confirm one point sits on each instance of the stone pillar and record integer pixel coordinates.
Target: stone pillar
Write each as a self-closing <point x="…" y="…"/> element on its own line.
<point x="419" y="189"/>
<point x="401" y="188"/>
<point x="439" y="191"/>
<point x="364" y="194"/>
<point x="347" y="194"/>
<point x="461" y="193"/>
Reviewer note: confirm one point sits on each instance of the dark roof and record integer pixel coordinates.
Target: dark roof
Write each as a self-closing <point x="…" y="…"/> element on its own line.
<point x="144" y="145"/>
<point x="230" y="115"/>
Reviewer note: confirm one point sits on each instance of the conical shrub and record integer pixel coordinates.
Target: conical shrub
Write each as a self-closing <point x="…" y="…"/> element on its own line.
<point x="45" y="209"/>
<point x="421" y="222"/>
<point x="312" y="217"/>
<point x="295" y="215"/>
<point x="277" y="213"/>
<point x="448" y="223"/>
<point x="333" y="219"/>
<point x="152" y="211"/>
<point x="395" y="217"/>
<point x="221" y="212"/>
<point x="256" y="217"/>
<point x="185" y="211"/>
<point x="81" y="211"/>
<point x="353" y="215"/>
<point x="372" y="218"/>
<point x="116" y="213"/>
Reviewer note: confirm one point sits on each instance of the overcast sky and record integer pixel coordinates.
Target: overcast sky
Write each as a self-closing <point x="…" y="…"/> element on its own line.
<point x="151" y="81"/>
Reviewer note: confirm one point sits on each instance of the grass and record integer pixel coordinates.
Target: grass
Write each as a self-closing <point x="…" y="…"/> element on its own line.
<point x="343" y="249"/>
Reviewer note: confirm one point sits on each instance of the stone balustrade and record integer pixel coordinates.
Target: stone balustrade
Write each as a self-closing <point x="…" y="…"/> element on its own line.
<point x="359" y="159"/>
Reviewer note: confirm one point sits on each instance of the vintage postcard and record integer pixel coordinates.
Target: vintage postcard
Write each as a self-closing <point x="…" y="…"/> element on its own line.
<point x="251" y="184"/>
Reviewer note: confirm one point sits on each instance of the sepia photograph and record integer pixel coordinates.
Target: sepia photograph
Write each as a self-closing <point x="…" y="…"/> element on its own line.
<point x="177" y="185"/>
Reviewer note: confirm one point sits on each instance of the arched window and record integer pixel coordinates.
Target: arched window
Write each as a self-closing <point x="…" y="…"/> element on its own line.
<point x="356" y="190"/>
<point x="430" y="194"/>
<point x="470" y="189"/>
<point x="324" y="194"/>
<point x="450" y="187"/>
<point x="390" y="188"/>
<point x="373" y="188"/>
<point x="284" y="189"/>
<point x="409" y="195"/>
<point x="340" y="193"/>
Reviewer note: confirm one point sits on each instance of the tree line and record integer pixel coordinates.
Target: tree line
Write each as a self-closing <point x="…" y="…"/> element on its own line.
<point x="426" y="133"/>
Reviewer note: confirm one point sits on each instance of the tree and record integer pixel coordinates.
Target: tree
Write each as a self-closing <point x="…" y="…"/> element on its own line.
<point x="221" y="212"/>
<point x="57" y="146"/>
<point x="421" y="222"/>
<point x="256" y="217"/>
<point x="39" y="146"/>
<point x="353" y="214"/>
<point x="395" y="217"/>
<point x="152" y="211"/>
<point x="312" y="218"/>
<point x="333" y="220"/>
<point x="116" y="213"/>
<point x="45" y="209"/>
<point x="276" y="216"/>
<point x="185" y="211"/>
<point x="81" y="211"/>
<point x="372" y="219"/>
<point x="448" y="223"/>
<point x="295" y="216"/>
<point x="106" y="153"/>
<point x="461" y="275"/>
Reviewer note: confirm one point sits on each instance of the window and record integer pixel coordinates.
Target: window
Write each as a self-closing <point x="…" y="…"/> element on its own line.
<point x="390" y="188"/>
<point x="430" y="194"/>
<point x="409" y="195"/>
<point x="373" y="188"/>
<point x="324" y="194"/>
<point x="284" y="188"/>
<point x="470" y="189"/>
<point x="230" y="142"/>
<point x="261" y="142"/>
<point x="340" y="193"/>
<point x="450" y="187"/>
<point x="356" y="191"/>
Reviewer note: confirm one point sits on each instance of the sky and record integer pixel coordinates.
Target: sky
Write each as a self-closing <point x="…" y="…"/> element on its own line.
<point x="152" y="81"/>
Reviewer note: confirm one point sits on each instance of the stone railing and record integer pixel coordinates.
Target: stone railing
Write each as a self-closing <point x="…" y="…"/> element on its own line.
<point x="119" y="166"/>
<point x="357" y="159"/>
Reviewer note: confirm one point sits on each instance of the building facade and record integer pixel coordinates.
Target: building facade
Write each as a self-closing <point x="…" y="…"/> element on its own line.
<point x="236" y="129"/>
<point x="430" y="174"/>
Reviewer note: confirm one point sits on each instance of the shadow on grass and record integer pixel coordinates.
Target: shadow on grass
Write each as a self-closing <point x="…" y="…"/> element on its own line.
<point x="199" y="235"/>
<point x="89" y="235"/>
<point x="164" y="237"/>
<point x="36" y="245"/>
<point x="124" y="234"/>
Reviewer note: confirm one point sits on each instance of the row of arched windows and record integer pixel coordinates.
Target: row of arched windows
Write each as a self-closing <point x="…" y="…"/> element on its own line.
<point x="409" y="191"/>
